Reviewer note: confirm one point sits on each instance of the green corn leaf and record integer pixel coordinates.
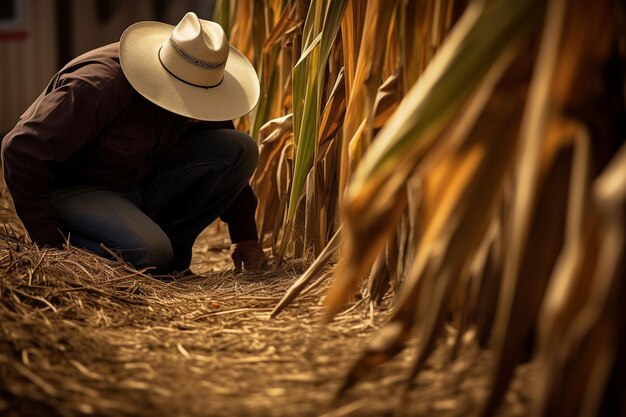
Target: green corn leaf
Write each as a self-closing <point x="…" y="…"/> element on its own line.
<point x="477" y="40"/>
<point x="308" y="78"/>
<point x="221" y="14"/>
<point x="486" y="29"/>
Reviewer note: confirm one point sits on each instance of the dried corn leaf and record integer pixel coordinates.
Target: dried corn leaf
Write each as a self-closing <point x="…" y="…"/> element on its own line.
<point x="463" y="186"/>
<point x="274" y="137"/>
<point x="374" y="198"/>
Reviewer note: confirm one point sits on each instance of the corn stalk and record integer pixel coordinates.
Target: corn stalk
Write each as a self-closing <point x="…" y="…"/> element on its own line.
<point x="474" y="154"/>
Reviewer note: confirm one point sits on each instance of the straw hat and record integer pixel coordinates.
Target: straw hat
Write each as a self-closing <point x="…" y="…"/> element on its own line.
<point x="189" y="69"/>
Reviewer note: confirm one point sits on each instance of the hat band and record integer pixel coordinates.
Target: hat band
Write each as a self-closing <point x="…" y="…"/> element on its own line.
<point x="185" y="81"/>
<point x="193" y="60"/>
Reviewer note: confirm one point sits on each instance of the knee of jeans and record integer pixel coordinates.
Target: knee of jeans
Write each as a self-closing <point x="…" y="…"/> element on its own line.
<point x="155" y="253"/>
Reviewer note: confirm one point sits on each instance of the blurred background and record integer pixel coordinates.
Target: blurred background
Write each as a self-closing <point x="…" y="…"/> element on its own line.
<point x="37" y="37"/>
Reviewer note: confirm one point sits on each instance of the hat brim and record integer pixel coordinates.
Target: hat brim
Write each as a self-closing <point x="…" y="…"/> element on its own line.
<point x="234" y="97"/>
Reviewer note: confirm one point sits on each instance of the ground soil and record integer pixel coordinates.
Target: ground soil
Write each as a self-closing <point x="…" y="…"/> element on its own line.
<point x="84" y="336"/>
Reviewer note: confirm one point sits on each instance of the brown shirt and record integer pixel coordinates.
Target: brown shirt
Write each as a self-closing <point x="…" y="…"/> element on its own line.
<point x="90" y="125"/>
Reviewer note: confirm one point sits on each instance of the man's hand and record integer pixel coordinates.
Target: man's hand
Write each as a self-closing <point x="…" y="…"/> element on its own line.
<point x="248" y="254"/>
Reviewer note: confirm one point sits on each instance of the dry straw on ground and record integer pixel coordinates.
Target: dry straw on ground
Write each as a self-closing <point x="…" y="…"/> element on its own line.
<point x="81" y="335"/>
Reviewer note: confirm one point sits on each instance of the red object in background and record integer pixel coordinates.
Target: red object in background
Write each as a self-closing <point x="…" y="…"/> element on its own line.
<point x="18" y="35"/>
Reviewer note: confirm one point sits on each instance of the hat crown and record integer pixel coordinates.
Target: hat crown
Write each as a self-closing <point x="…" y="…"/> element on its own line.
<point x="201" y="38"/>
<point x="196" y="51"/>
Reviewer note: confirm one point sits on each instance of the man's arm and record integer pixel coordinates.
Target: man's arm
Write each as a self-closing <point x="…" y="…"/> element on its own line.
<point x="240" y="217"/>
<point x="60" y="124"/>
<point x="246" y="251"/>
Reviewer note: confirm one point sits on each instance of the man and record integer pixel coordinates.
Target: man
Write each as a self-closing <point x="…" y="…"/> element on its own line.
<point x="130" y="149"/>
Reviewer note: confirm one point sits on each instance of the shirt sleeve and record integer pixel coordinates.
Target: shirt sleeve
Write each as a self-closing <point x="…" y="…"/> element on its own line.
<point x="240" y="216"/>
<point x="56" y="127"/>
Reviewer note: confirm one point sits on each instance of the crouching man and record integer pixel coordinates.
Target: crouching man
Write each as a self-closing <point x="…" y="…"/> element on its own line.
<point x="131" y="147"/>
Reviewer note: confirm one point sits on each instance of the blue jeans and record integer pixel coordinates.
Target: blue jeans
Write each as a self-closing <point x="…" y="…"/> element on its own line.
<point x="154" y="223"/>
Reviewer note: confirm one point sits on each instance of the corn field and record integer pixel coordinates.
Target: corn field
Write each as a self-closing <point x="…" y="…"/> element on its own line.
<point x="466" y="158"/>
